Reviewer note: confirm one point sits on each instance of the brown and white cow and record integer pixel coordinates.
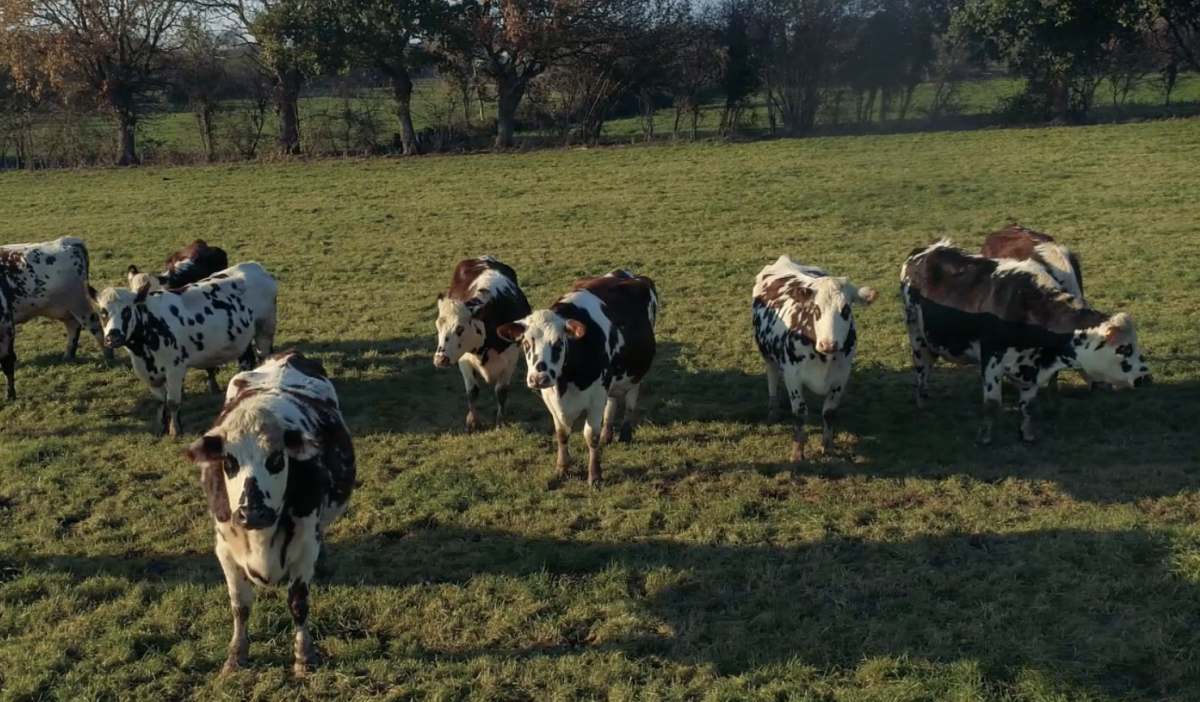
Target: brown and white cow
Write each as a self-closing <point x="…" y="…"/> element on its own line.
<point x="1013" y="320"/>
<point x="1023" y="244"/>
<point x="50" y="280"/>
<point x="592" y="348"/>
<point x="278" y="469"/>
<point x="804" y="328"/>
<point x="190" y="264"/>
<point x="483" y="295"/>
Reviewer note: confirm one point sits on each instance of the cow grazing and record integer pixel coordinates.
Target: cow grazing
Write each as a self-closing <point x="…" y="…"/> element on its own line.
<point x="191" y="264"/>
<point x="483" y="295"/>
<point x="590" y="349"/>
<point x="1022" y="244"/>
<point x="1014" y="320"/>
<point x="278" y="469"/>
<point x="204" y="325"/>
<point x="50" y="280"/>
<point x="805" y="332"/>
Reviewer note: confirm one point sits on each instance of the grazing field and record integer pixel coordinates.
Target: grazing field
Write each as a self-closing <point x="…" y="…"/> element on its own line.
<point x="910" y="566"/>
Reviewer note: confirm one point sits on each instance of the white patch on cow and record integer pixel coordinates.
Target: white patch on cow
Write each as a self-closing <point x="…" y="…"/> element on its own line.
<point x="1111" y="353"/>
<point x="1059" y="266"/>
<point x="1040" y="275"/>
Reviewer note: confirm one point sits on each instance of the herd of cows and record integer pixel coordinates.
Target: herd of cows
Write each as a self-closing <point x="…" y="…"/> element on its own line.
<point x="278" y="462"/>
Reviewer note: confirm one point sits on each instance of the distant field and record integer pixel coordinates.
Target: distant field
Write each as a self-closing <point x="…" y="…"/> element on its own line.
<point x="912" y="566"/>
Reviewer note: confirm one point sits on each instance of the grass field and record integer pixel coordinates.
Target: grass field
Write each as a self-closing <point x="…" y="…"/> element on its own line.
<point x="911" y="566"/>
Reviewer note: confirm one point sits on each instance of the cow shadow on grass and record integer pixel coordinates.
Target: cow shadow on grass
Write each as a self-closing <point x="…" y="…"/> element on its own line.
<point x="1103" y="446"/>
<point x="1063" y="612"/>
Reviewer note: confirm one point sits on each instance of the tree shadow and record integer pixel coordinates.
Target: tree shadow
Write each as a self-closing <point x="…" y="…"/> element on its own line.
<point x="1093" y="611"/>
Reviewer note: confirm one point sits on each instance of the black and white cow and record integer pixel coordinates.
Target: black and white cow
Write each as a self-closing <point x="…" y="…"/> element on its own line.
<point x="8" y="334"/>
<point x="1014" y="320"/>
<point x="191" y="264"/>
<point x="483" y="295"/>
<point x="804" y="328"/>
<point x="592" y="348"/>
<point x="224" y="317"/>
<point x="278" y="469"/>
<point x="50" y="280"/>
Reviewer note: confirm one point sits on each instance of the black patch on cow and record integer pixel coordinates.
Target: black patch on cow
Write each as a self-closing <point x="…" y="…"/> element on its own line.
<point x="275" y="462"/>
<point x="214" y="490"/>
<point x="231" y="465"/>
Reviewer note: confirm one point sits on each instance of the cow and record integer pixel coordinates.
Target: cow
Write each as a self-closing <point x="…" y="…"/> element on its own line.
<point x="8" y="334"/>
<point x="483" y="295"/>
<point x="590" y="349"/>
<point x="203" y="325"/>
<point x="191" y="264"/>
<point x="804" y="328"/>
<point x="277" y="469"/>
<point x="1012" y="319"/>
<point x="1023" y="244"/>
<point x="50" y="280"/>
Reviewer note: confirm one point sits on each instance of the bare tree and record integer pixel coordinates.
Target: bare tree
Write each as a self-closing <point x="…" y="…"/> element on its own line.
<point x="112" y="50"/>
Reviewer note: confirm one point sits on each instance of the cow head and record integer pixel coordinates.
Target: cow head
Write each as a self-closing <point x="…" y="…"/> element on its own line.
<point x="543" y="336"/>
<point x="832" y="318"/>
<point x="137" y="280"/>
<point x="460" y="329"/>
<point x="246" y="462"/>
<point x="1110" y="353"/>
<point x="117" y="309"/>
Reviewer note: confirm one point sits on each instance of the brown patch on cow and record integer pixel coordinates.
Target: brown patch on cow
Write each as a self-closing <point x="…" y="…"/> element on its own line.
<point x="200" y="253"/>
<point x="311" y="367"/>
<point x="237" y="400"/>
<point x="1015" y="241"/>
<point x="214" y="490"/>
<point x="12" y="260"/>
<point x="626" y="302"/>
<point x="464" y="277"/>
<point x="805" y="311"/>
<point x="953" y="278"/>
<point x="240" y="384"/>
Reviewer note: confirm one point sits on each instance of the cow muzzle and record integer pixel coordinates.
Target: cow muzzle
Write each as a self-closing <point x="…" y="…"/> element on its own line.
<point x="255" y="517"/>
<point x="1144" y="381"/>
<point x="827" y="346"/>
<point x="114" y="339"/>
<point x="539" y="381"/>
<point x="441" y="360"/>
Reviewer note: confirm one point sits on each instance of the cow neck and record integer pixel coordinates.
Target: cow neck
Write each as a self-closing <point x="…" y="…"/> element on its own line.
<point x="137" y="336"/>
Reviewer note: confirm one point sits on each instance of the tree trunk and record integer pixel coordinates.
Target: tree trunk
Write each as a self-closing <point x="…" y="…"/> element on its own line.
<point x="1060" y="99"/>
<point x="126" y="128"/>
<point x="402" y="88"/>
<point x="287" y="108"/>
<point x="508" y="98"/>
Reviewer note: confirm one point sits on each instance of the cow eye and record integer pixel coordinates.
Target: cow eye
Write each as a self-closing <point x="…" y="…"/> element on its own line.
<point x="275" y="462"/>
<point x="103" y="314"/>
<point x="231" y="466"/>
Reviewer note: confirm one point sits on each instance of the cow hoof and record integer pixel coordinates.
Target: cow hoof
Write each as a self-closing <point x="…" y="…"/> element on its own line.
<point x="797" y="455"/>
<point x="827" y="450"/>
<point x="68" y="358"/>
<point x="233" y="665"/>
<point x="606" y="436"/>
<point x="302" y="667"/>
<point x="472" y="424"/>
<point x="626" y="434"/>
<point x="983" y="441"/>
<point x="1028" y="440"/>
<point x="773" y="416"/>
<point x="501" y="422"/>
<point x="12" y="394"/>
<point x="596" y="485"/>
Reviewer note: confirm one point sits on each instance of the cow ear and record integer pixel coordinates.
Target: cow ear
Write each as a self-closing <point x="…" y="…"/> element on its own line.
<point x="441" y="296"/>
<point x="479" y="311"/>
<point x="513" y="331"/>
<point x="866" y="296"/>
<point x="205" y="449"/>
<point x="1120" y="327"/>
<point x="297" y="444"/>
<point x="575" y="329"/>
<point x="131" y="271"/>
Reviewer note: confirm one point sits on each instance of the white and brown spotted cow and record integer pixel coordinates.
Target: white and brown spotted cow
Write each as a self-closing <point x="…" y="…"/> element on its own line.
<point x="1014" y="320"/>
<point x="1022" y="244"/>
<point x="804" y="328"/>
<point x="50" y="280"/>
<point x="483" y="295"/>
<point x="191" y="264"/>
<point x="278" y="469"/>
<point x="592" y="348"/>
<point x="205" y="325"/>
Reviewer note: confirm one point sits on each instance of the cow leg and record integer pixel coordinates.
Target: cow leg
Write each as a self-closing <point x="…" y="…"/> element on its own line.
<point x="471" y="381"/>
<point x="8" y="362"/>
<point x="303" y="655"/>
<point x="502" y="383"/>
<point x="562" y="432"/>
<point x="631" y="414"/>
<point x="993" y="376"/>
<point x="610" y="418"/>
<point x="264" y="338"/>
<point x="213" y="387"/>
<point x="828" y="414"/>
<point x="84" y="316"/>
<point x="796" y="395"/>
<point x="922" y="357"/>
<point x="1028" y="399"/>
<point x="773" y="377"/>
<point x="73" y="329"/>
<point x="241" y="599"/>
<point x="159" y="393"/>
<point x="174" y="399"/>
<point x="591" y="435"/>
<point x="247" y="361"/>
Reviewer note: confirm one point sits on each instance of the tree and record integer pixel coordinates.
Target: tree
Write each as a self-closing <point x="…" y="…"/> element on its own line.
<point x="202" y="77"/>
<point x="112" y="50"/>
<point x="805" y="43"/>
<point x="387" y="35"/>
<point x="1059" y="46"/>
<point x="516" y="41"/>
<point x="740" y="74"/>
<point x="1175" y="30"/>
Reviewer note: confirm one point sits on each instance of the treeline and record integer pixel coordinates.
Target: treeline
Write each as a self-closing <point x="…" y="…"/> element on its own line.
<point x="563" y="67"/>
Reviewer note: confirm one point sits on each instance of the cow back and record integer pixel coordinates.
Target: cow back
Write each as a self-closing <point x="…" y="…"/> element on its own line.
<point x="623" y="316"/>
